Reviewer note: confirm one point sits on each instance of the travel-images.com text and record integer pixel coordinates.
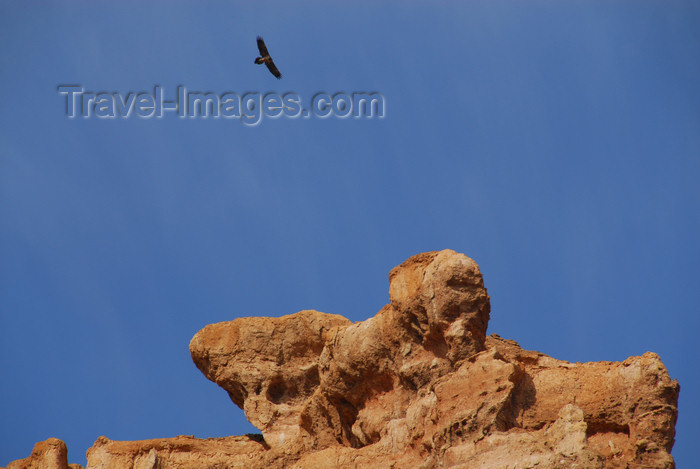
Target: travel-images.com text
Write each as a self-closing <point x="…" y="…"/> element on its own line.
<point x="249" y="108"/>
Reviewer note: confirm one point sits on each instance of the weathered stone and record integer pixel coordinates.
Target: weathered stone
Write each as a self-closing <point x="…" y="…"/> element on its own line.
<point x="276" y="366"/>
<point x="419" y="385"/>
<point x="48" y="454"/>
<point x="182" y="452"/>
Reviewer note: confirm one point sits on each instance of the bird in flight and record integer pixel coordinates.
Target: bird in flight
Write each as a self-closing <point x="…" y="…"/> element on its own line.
<point x="266" y="59"/>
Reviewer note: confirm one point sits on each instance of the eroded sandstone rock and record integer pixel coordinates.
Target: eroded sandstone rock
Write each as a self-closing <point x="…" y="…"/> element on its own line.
<point x="182" y="452"/>
<point x="318" y="380"/>
<point x="48" y="454"/>
<point x="278" y="366"/>
<point x="419" y="385"/>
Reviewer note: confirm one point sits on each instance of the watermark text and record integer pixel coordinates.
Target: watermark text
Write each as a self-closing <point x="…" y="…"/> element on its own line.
<point x="249" y="108"/>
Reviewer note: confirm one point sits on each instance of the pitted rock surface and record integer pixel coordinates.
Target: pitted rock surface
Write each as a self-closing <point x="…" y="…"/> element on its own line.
<point x="418" y="385"/>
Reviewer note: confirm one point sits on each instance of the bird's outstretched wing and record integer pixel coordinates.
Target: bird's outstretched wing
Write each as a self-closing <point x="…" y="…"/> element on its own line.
<point x="262" y="48"/>
<point x="271" y="67"/>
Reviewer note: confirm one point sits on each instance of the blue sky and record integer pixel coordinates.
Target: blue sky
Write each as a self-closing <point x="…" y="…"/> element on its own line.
<point x="556" y="143"/>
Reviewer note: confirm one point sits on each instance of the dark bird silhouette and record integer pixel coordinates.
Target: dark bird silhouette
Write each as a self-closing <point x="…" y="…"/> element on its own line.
<point x="266" y="59"/>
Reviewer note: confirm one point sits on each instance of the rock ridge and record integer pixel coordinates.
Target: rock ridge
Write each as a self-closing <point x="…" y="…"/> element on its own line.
<point x="420" y="384"/>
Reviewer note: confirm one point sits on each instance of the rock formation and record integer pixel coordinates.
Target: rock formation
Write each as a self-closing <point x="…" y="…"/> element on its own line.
<point x="418" y="385"/>
<point x="49" y="454"/>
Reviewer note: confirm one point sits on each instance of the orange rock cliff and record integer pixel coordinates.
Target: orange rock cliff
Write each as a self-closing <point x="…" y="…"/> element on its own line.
<point x="419" y="385"/>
